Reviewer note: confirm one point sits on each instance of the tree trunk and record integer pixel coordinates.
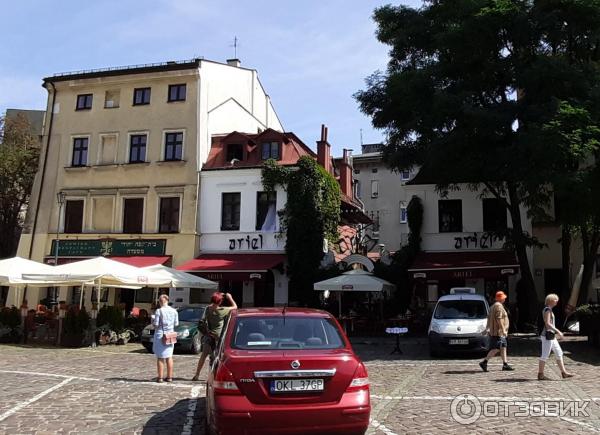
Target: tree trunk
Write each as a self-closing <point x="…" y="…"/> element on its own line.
<point x="592" y="243"/>
<point x="527" y="298"/>
<point x="566" y="262"/>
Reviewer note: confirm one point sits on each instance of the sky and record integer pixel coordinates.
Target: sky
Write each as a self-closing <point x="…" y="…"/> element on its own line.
<point x="311" y="55"/>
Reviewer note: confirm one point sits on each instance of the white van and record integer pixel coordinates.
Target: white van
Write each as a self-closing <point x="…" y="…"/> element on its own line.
<point x="458" y="323"/>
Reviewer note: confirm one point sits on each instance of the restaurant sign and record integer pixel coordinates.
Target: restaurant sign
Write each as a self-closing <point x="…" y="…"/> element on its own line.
<point x="108" y="247"/>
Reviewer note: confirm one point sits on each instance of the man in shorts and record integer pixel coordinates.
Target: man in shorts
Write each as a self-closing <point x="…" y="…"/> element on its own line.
<point x="497" y="328"/>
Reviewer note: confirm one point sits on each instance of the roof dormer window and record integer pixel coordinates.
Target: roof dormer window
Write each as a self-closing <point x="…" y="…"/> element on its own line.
<point x="235" y="151"/>
<point x="270" y="150"/>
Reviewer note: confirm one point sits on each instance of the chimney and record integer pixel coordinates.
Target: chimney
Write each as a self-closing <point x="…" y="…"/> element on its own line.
<point x="346" y="174"/>
<point x="324" y="150"/>
<point x="234" y="62"/>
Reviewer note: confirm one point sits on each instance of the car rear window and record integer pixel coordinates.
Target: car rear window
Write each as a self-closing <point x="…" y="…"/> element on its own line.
<point x="190" y="314"/>
<point x="286" y="332"/>
<point x="460" y="309"/>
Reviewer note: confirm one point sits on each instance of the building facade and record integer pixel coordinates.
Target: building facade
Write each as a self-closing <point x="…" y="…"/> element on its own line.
<point x="119" y="168"/>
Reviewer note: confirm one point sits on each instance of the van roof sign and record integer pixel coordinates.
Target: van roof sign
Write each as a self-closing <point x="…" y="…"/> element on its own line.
<point x="462" y="291"/>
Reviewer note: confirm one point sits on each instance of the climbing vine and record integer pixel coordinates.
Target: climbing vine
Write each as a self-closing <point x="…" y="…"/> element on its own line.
<point x="311" y="213"/>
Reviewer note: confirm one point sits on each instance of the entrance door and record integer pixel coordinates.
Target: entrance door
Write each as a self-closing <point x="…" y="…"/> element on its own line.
<point x="264" y="291"/>
<point x="552" y="281"/>
<point x="236" y="288"/>
<point x="127" y="297"/>
<point x="3" y="296"/>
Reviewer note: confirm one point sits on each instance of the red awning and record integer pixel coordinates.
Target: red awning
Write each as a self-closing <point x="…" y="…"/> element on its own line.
<point x="142" y="261"/>
<point x="467" y="264"/>
<point x="234" y="266"/>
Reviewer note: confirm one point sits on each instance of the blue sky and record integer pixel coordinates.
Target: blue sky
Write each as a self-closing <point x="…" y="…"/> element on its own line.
<point x="311" y="55"/>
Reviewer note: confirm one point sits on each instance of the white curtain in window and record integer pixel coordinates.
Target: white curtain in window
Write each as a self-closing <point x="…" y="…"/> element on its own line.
<point x="270" y="223"/>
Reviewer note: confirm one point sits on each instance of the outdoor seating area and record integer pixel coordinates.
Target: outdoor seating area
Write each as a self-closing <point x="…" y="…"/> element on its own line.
<point x="56" y="322"/>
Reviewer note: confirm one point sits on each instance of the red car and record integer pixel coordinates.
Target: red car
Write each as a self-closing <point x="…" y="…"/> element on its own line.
<point x="286" y="371"/>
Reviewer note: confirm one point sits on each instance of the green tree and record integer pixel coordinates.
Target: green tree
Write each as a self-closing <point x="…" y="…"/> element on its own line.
<point x="19" y="152"/>
<point x="473" y="91"/>
<point x="312" y="213"/>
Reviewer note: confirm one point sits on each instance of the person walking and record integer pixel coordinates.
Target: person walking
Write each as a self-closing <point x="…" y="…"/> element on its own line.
<point x="165" y="320"/>
<point x="214" y="315"/>
<point x="497" y="328"/>
<point x="549" y="341"/>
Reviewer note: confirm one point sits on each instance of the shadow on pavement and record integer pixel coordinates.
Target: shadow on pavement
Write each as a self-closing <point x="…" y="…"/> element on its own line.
<point x="515" y="380"/>
<point x="462" y="372"/>
<point x="186" y="416"/>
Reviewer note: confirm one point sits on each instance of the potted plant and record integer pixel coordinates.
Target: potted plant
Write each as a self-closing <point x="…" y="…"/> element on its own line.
<point x="75" y="325"/>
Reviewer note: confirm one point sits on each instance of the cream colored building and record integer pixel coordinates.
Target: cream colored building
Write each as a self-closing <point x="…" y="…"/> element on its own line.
<point x="125" y="146"/>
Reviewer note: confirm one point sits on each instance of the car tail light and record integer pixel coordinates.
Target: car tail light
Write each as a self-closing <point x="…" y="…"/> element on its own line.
<point x="224" y="382"/>
<point x="360" y="380"/>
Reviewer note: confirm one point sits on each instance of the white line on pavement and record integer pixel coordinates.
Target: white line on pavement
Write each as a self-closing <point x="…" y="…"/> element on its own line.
<point x="382" y="428"/>
<point x="483" y="398"/>
<point x="189" y="424"/>
<point x="33" y="399"/>
<point x="116" y="381"/>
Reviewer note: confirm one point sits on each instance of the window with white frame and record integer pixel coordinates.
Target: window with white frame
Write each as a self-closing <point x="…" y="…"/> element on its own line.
<point x="173" y="146"/>
<point x="374" y="188"/>
<point x="405" y="175"/>
<point x="403" y="214"/>
<point x="80" y="151"/>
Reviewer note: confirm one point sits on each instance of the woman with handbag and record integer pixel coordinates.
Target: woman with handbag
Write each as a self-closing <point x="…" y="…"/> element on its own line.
<point x="211" y="325"/>
<point x="165" y="337"/>
<point x="549" y="341"/>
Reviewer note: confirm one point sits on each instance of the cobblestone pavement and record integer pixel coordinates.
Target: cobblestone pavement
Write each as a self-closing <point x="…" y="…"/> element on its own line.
<point x="109" y="390"/>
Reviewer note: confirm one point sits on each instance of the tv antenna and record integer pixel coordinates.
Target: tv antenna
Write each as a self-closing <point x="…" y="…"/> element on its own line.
<point x="235" y="45"/>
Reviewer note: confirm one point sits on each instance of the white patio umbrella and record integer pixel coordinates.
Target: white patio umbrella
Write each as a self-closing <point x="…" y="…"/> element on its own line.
<point x="100" y="271"/>
<point x="12" y="269"/>
<point x="354" y="281"/>
<point x="181" y="279"/>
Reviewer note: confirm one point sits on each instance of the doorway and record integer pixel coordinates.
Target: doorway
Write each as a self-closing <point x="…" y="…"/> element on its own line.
<point x="264" y="291"/>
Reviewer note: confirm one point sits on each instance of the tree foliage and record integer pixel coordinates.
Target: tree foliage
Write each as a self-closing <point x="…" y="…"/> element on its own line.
<point x="499" y="94"/>
<point x="19" y="152"/>
<point x="311" y="213"/>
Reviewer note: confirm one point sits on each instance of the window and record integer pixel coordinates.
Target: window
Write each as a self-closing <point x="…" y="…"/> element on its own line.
<point x="80" y="151"/>
<point x="141" y="96"/>
<point x="137" y="148"/>
<point x="235" y="151"/>
<point x="133" y="215"/>
<point x="357" y="171"/>
<point x="144" y="295"/>
<point x="357" y="186"/>
<point x="403" y="214"/>
<point x="112" y="99"/>
<point x="494" y="215"/>
<point x="266" y="211"/>
<point x="74" y="216"/>
<point x="169" y="215"/>
<point x="173" y="146"/>
<point x="84" y="102"/>
<point x="176" y="92"/>
<point x="230" y="212"/>
<point x="374" y="189"/>
<point x="103" y="295"/>
<point x="405" y="175"/>
<point x="374" y="170"/>
<point x="75" y="295"/>
<point x="460" y="309"/>
<point x="270" y="150"/>
<point x="450" y="215"/>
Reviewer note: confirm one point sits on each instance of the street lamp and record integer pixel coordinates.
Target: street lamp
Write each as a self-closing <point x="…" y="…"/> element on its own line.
<point x="60" y="199"/>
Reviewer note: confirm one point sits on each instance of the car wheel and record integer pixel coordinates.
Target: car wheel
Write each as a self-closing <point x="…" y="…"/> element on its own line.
<point x="196" y="347"/>
<point x="148" y="347"/>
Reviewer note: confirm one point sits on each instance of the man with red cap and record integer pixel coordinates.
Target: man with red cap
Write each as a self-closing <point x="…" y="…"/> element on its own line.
<point x="497" y="328"/>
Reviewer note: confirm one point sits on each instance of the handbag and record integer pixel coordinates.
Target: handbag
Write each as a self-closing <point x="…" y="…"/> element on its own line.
<point x="168" y="337"/>
<point x="550" y="335"/>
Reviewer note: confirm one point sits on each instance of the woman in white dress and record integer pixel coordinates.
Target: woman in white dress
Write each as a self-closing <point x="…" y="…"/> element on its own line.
<point x="165" y="320"/>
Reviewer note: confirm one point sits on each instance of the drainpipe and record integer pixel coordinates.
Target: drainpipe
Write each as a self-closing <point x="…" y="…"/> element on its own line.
<point x="39" y="199"/>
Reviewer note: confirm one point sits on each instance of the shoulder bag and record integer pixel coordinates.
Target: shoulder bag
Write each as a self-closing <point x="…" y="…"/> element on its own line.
<point x="168" y="337"/>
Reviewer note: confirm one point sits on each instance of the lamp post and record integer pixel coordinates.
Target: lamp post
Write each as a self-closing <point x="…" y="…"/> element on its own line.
<point x="60" y="199"/>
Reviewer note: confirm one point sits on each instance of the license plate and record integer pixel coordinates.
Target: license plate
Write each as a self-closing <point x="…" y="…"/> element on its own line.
<point x="294" y="385"/>
<point x="459" y="341"/>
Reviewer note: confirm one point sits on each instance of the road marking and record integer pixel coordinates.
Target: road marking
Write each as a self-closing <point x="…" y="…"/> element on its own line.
<point x="189" y="424"/>
<point x="33" y="399"/>
<point x="116" y="381"/>
<point x="483" y="398"/>
<point x="382" y="428"/>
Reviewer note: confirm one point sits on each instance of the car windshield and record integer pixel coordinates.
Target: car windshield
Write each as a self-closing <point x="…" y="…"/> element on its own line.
<point x="286" y="332"/>
<point x="190" y="314"/>
<point x="460" y="309"/>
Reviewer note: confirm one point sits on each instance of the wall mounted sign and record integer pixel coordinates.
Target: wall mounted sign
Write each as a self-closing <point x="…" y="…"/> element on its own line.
<point x="477" y="241"/>
<point x="108" y="247"/>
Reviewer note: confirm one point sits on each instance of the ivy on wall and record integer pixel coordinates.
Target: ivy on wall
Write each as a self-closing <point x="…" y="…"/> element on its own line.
<point x="311" y="213"/>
